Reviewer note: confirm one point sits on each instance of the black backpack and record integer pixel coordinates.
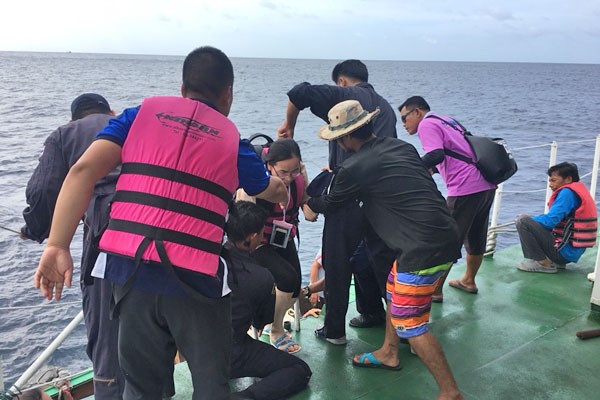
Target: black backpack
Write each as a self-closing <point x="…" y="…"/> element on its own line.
<point x="493" y="158"/>
<point x="259" y="148"/>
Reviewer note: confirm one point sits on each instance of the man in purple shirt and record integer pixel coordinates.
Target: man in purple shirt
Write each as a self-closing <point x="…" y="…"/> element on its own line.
<point x="470" y="196"/>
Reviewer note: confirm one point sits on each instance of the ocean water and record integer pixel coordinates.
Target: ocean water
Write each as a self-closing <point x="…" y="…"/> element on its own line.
<point x="530" y="105"/>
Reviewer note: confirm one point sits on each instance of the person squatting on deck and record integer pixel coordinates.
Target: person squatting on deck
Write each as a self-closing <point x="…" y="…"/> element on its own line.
<point x="182" y="160"/>
<point x="278" y="252"/>
<point x="252" y="304"/>
<point x="560" y="236"/>
<point x="90" y="113"/>
<point x="470" y="196"/>
<point x="406" y="210"/>
<point x="343" y="229"/>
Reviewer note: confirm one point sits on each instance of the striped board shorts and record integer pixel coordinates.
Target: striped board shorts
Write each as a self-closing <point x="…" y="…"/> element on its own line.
<point x="409" y="296"/>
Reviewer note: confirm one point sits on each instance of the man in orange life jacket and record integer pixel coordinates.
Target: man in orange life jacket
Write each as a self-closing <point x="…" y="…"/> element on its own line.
<point x="552" y="240"/>
<point x="182" y="160"/>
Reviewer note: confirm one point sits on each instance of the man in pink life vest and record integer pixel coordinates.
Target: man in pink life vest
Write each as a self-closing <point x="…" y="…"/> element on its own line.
<point x="182" y="160"/>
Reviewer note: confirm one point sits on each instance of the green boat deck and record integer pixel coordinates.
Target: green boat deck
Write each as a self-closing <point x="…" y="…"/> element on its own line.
<point x="514" y="340"/>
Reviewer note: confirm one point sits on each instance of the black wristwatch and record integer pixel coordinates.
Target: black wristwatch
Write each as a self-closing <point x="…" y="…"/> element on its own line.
<point x="306" y="291"/>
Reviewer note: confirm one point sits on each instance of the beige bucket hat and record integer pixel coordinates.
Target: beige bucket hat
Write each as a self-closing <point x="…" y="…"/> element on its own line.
<point x="345" y="118"/>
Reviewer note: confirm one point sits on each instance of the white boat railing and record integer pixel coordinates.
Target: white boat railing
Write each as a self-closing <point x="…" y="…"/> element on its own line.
<point x="22" y="381"/>
<point x="496" y="227"/>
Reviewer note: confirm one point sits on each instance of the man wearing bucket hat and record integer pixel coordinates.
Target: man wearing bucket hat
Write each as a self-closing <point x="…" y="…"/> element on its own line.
<point x="405" y="208"/>
<point x="343" y="229"/>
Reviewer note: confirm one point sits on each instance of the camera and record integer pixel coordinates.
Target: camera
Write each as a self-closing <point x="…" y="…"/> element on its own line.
<point x="280" y="234"/>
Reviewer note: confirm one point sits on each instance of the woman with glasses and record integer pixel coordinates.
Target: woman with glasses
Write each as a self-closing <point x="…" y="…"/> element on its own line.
<point x="278" y="252"/>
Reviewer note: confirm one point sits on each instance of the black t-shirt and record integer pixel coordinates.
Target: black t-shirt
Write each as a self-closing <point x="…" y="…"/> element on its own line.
<point x="321" y="98"/>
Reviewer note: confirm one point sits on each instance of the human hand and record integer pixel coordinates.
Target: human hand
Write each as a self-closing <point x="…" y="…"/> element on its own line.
<point x="313" y="312"/>
<point x="54" y="271"/>
<point x="314" y="299"/>
<point x="326" y="169"/>
<point x="519" y="216"/>
<point x="309" y="214"/>
<point x="285" y="131"/>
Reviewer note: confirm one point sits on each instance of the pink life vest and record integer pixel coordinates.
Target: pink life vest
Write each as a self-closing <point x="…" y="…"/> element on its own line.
<point x="291" y="212"/>
<point x="178" y="176"/>
<point x="579" y="229"/>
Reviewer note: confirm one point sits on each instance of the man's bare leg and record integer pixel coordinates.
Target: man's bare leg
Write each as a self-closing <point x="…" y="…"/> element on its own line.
<point x="473" y="264"/>
<point x="388" y="352"/>
<point x="430" y="352"/>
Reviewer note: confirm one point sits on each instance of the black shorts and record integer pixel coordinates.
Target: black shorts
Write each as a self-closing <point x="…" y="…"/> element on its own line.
<point x="472" y="215"/>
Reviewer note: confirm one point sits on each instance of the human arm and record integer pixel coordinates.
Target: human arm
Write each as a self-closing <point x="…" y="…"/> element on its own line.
<point x="241" y="195"/>
<point x="433" y="158"/>
<point x="263" y="299"/>
<point x="286" y="130"/>
<point x="255" y="179"/>
<point x="345" y="189"/>
<point x="431" y="137"/>
<point x="320" y="99"/>
<point x="42" y="190"/>
<point x="565" y="204"/>
<point x="309" y="215"/>
<point x="56" y="265"/>
<point x="316" y="285"/>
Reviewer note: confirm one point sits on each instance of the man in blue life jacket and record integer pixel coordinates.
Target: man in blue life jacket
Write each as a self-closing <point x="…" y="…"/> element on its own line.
<point x="343" y="229"/>
<point x="182" y="160"/>
<point x="560" y="236"/>
<point x="90" y="112"/>
<point x="252" y="304"/>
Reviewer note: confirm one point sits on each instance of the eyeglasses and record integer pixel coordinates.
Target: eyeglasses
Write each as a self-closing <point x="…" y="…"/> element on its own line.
<point x="287" y="174"/>
<point x="403" y="117"/>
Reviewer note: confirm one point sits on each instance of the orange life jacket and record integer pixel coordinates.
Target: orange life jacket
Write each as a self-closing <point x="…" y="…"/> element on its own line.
<point x="580" y="228"/>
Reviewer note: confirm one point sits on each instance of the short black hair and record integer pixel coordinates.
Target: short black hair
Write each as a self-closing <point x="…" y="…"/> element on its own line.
<point x="565" y="170"/>
<point x="355" y="69"/>
<point x="415" y="102"/>
<point x="33" y="394"/>
<point x="245" y="218"/>
<point x="281" y="150"/>
<point x="207" y="71"/>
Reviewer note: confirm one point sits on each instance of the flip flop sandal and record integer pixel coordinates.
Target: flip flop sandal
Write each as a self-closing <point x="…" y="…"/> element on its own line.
<point x="368" y="360"/>
<point x="285" y="342"/>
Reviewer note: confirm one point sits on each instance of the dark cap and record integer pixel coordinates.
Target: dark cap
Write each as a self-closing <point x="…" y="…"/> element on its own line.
<point x="88" y="102"/>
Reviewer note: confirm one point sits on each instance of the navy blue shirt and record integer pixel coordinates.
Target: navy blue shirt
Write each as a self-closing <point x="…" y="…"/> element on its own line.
<point x="154" y="277"/>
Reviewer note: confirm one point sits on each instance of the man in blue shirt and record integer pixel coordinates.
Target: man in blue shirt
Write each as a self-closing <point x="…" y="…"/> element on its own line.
<point x="164" y="307"/>
<point x="552" y="240"/>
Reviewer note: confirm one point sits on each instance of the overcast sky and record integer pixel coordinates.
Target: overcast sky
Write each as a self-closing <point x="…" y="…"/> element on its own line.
<point x="431" y="30"/>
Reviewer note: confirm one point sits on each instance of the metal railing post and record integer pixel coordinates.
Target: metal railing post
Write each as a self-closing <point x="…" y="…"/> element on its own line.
<point x="594" y="181"/>
<point x="490" y="247"/>
<point x="553" y="153"/>
<point x="42" y="358"/>
<point x="595" y="299"/>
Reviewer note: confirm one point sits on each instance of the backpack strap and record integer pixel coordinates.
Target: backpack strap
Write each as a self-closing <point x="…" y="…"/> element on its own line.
<point x="464" y="132"/>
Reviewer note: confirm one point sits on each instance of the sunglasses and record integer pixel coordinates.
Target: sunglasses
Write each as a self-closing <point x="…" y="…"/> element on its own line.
<point x="403" y="117"/>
